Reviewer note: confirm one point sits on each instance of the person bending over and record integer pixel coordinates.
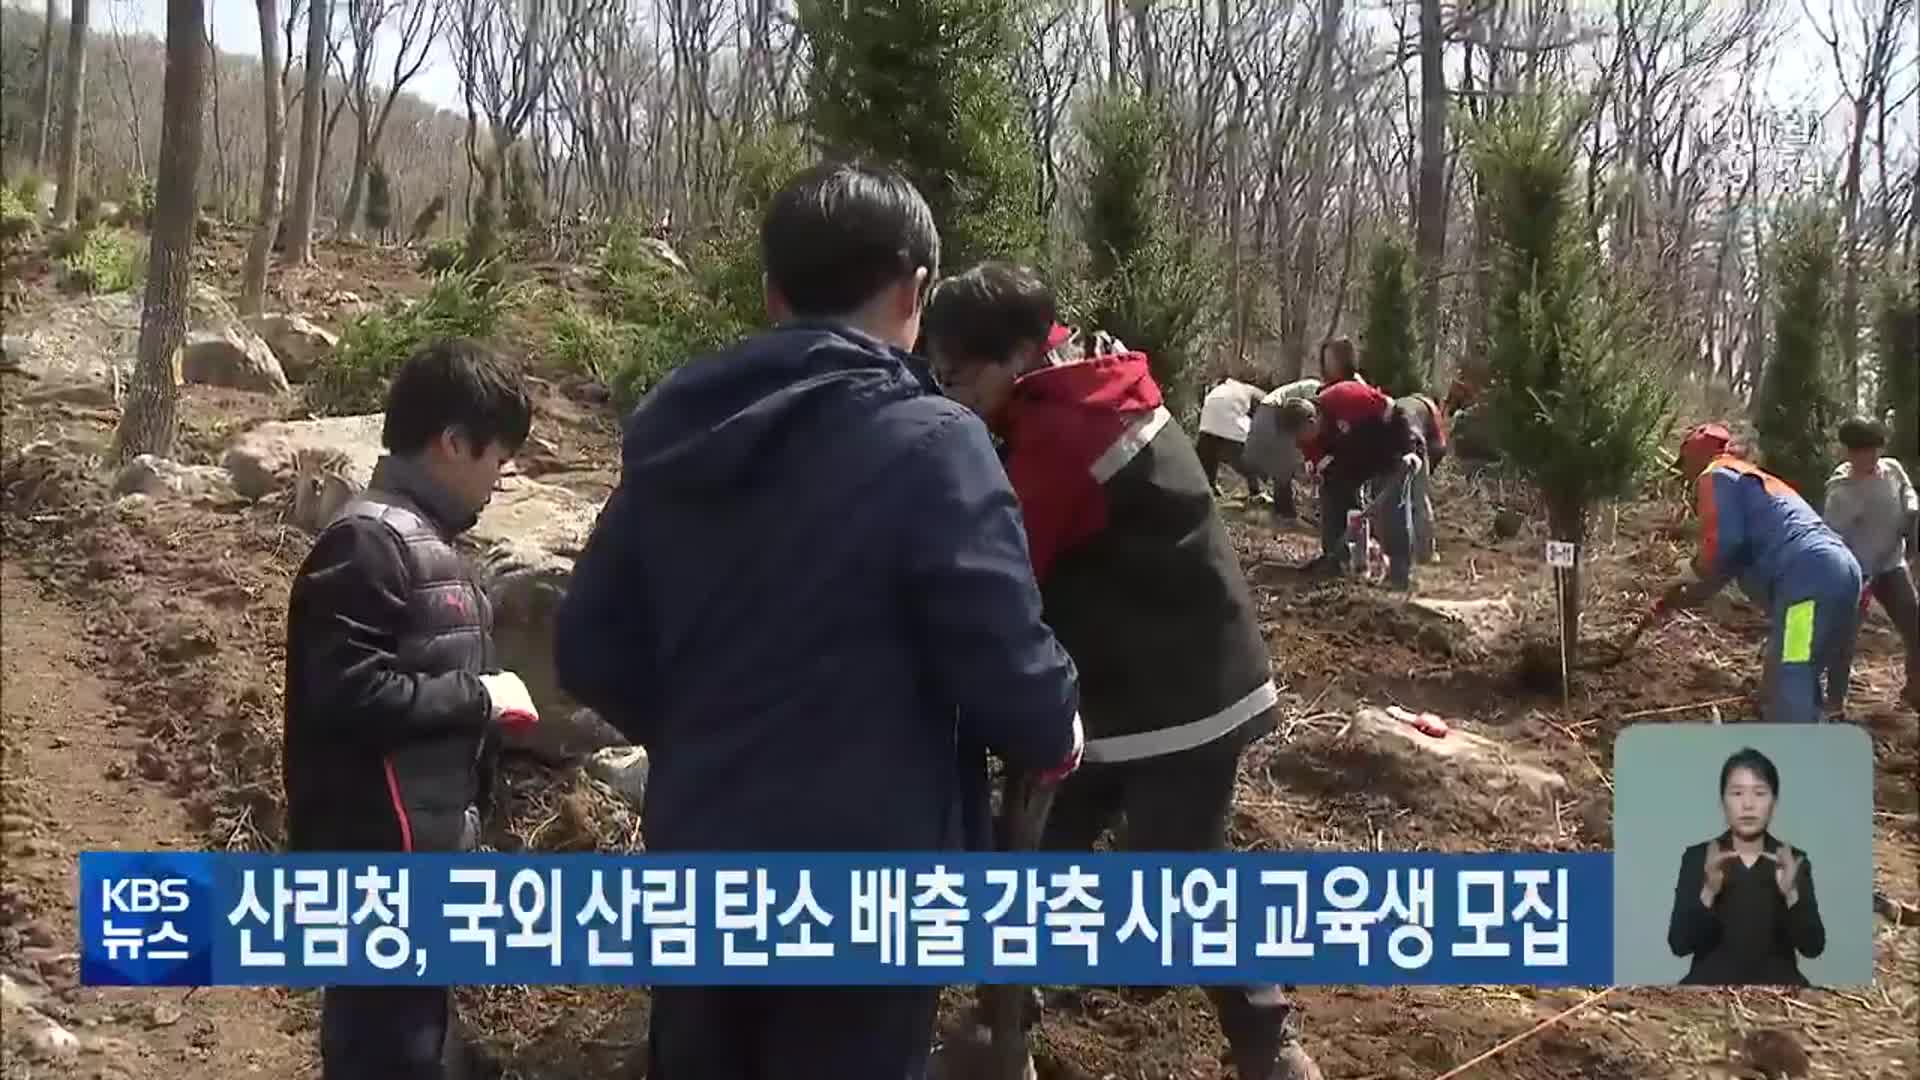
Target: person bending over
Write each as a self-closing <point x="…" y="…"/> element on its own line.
<point x="1142" y="585"/>
<point x="1755" y="527"/>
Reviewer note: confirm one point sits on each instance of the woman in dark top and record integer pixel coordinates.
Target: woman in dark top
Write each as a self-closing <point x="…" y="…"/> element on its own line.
<point x="1743" y="906"/>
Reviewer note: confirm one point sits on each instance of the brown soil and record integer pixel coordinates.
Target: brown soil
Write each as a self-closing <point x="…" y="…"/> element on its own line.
<point x="142" y="695"/>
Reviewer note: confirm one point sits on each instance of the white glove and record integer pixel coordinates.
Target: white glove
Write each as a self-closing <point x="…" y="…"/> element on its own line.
<point x="1414" y="463"/>
<point x="513" y="707"/>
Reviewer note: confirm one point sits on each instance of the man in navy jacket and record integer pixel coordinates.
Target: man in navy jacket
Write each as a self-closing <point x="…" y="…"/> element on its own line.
<point x="810" y="598"/>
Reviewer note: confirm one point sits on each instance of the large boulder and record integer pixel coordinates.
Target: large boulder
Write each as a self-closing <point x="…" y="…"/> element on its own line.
<point x="234" y="357"/>
<point x="300" y="345"/>
<point x="159" y="477"/>
<point x="93" y="338"/>
<point x="527" y="539"/>
<point x="269" y="458"/>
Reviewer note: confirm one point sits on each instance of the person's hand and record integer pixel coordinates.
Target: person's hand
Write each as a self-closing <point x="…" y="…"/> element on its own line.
<point x="512" y="705"/>
<point x="1067" y="768"/>
<point x="1786" y="873"/>
<point x="1413" y="463"/>
<point x="1718" y="857"/>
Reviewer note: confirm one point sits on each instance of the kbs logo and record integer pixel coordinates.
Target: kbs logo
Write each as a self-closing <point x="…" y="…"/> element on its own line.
<point x="144" y="896"/>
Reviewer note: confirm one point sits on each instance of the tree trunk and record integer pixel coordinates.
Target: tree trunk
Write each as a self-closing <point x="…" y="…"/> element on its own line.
<point x="253" y="285"/>
<point x="1306" y="253"/>
<point x="1569" y="522"/>
<point x="68" y="191"/>
<point x="46" y="89"/>
<point x="306" y="183"/>
<point x="149" y="422"/>
<point x="1849" y="313"/>
<point x="1430" y="214"/>
<point x="349" y="224"/>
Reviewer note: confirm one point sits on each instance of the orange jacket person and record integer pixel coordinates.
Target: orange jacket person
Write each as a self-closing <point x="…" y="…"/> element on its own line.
<point x="1755" y="527"/>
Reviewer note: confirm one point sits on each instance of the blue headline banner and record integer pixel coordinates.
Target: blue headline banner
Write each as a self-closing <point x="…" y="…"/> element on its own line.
<point x="204" y="919"/>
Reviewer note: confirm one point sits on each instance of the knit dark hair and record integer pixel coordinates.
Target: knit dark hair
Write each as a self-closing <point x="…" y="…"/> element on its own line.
<point x="1863" y="433"/>
<point x="461" y="385"/>
<point x="1752" y="761"/>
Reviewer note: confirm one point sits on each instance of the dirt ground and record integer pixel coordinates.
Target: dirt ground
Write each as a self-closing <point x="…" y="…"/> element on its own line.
<point x="142" y="694"/>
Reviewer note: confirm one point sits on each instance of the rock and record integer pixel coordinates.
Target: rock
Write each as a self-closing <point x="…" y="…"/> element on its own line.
<point x="162" y="1014"/>
<point x="1776" y="1053"/>
<point x="624" y="769"/>
<point x="1479" y="623"/>
<point x="232" y="357"/>
<point x="16" y="352"/>
<point x="268" y="458"/>
<point x="664" y="252"/>
<point x="1491" y="764"/>
<point x="46" y="1040"/>
<point x="300" y="345"/>
<point x="87" y="395"/>
<point x="527" y="539"/>
<point x="158" y="477"/>
<point x="92" y="339"/>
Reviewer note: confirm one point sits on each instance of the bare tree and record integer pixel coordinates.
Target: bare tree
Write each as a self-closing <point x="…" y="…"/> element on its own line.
<point x="253" y="282"/>
<point x="46" y="86"/>
<point x="149" y="423"/>
<point x="507" y="54"/>
<point x="1865" y="91"/>
<point x="1430" y="207"/>
<point x="414" y="24"/>
<point x="68" y="192"/>
<point x="307" y="167"/>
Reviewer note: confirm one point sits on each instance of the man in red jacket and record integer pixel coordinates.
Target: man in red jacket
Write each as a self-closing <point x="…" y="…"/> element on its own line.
<point x="1140" y="583"/>
<point x="1372" y="443"/>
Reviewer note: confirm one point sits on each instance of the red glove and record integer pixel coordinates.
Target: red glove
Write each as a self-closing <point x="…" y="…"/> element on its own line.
<point x="1067" y="768"/>
<point x="512" y="706"/>
<point x="1866" y="600"/>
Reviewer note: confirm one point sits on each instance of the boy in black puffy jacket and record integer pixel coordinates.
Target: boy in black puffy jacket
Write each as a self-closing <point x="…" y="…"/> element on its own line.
<point x="394" y="700"/>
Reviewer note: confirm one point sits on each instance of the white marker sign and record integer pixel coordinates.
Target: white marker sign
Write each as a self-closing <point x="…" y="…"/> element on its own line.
<point x="1560" y="554"/>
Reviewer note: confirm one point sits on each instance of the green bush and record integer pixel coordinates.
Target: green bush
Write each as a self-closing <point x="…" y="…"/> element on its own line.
<point x="1794" y="412"/>
<point x="663" y="316"/>
<point x="444" y="255"/>
<point x="18" y="221"/>
<point x="105" y="260"/>
<point x="32" y="189"/>
<point x="1897" y="340"/>
<point x="1392" y="357"/>
<point x="1153" y="285"/>
<point x="379" y="213"/>
<point x="928" y="86"/>
<point x="592" y="345"/>
<point x="463" y="303"/>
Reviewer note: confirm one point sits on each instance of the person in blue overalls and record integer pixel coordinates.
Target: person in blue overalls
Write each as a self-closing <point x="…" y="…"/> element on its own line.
<point x="1755" y="527"/>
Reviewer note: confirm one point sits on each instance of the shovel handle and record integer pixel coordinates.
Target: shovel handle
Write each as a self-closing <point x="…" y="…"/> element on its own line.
<point x="1024" y="808"/>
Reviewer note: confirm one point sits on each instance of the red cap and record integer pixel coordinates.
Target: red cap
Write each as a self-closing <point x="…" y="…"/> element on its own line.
<point x="1058" y="336"/>
<point x="1706" y="440"/>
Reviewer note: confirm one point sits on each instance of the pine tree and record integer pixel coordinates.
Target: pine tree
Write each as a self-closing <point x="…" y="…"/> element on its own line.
<point x="1897" y="325"/>
<point x="524" y="209"/>
<point x="1392" y="357"/>
<point x="379" y="200"/>
<point x="1794" y="411"/>
<point x="1576" y="403"/>
<point x="926" y="86"/>
<point x="1154" y="287"/>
